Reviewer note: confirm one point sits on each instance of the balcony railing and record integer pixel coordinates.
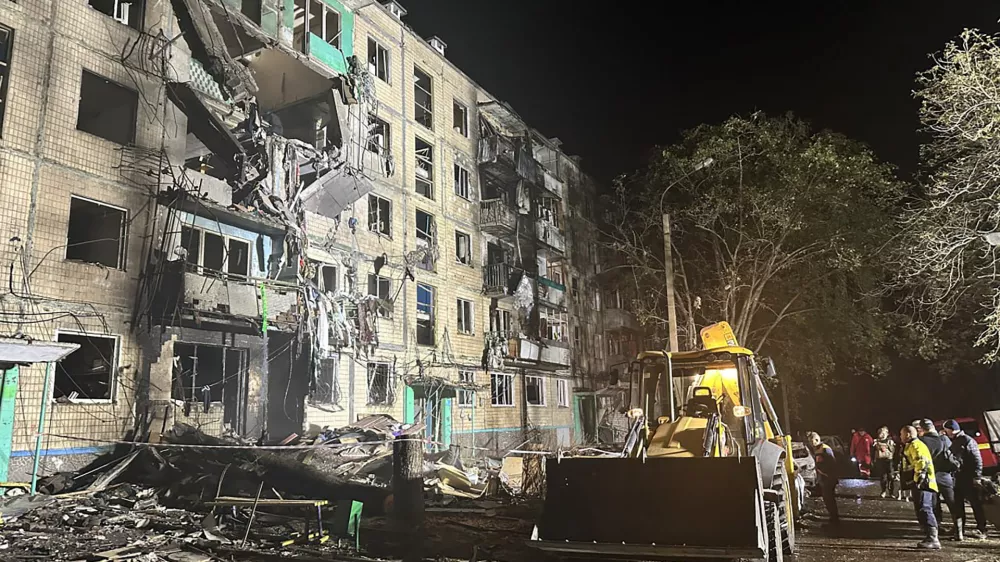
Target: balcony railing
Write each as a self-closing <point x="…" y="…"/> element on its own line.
<point x="495" y="216"/>
<point x="496" y="279"/>
<point x="555" y="353"/>
<point x="550" y="235"/>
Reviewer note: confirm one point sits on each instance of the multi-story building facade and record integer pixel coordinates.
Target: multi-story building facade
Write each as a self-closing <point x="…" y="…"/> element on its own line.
<point x="267" y="217"/>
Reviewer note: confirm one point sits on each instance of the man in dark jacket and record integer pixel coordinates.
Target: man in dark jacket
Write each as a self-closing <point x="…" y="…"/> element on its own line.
<point x="965" y="448"/>
<point x="827" y="474"/>
<point x="940" y="447"/>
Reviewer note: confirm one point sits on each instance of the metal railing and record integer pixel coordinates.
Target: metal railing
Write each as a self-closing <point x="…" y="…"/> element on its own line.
<point x="495" y="213"/>
<point x="496" y="278"/>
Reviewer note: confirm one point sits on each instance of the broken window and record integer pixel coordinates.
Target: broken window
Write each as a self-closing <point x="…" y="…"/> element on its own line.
<point x="324" y="22"/>
<point x="379" y="215"/>
<point x="466" y="318"/>
<point x="500" y="321"/>
<point x="562" y="393"/>
<point x="425" y="314"/>
<point x="327" y="389"/>
<point x="107" y="109"/>
<point x="552" y="325"/>
<point x="326" y="278"/>
<point x="210" y="253"/>
<point x="576" y="336"/>
<point x="128" y="12"/>
<point x="463" y="248"/>
<point x="462" y="182"/>
<point x="6" y="45"/>
<point x="378" y="60"/>
<point x="425" y="168"/>
<point x="381" y="391"/>
<point x="501" y="389"/>
<point x="534" y="390"/>
<point x="576" y="289"/>
<point x="96" y="233"/>
<point x="89" y="372"/>
<point x="460" y="119"/>
<point x="426" y="237"/>
<point x="466" y="397"/>
<point x="379" y="138"/>
<point x="423" y="102"/>
<point x="548" y="212"/>
<point x="379" y="286"/>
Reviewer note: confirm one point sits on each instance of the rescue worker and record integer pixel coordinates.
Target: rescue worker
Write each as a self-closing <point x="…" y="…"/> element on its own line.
<point x="861" y="452"/>
<point x="918" y="476"/>
<point x="944" y="468"/>
<point x="883" y="451"/>
<point x="965" y="448"/>
<point x="826" y="473"/>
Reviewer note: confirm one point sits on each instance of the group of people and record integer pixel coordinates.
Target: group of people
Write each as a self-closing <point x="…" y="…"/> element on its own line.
<point x="927" y="466"/>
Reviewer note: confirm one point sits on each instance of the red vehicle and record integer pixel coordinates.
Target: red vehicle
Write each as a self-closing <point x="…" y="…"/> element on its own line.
<point x="977" y="429"/>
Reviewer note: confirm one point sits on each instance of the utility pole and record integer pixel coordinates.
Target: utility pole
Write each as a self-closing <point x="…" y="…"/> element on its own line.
<point x="668" y="265"/>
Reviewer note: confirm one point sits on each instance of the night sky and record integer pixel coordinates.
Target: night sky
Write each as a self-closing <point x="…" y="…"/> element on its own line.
<point x="614" y="82"/>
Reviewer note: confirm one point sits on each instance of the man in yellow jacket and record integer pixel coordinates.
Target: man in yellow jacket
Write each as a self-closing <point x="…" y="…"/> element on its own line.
<point x="918" y="475"/>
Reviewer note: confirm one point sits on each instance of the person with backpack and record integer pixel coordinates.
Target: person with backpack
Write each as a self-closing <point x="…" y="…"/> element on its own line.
<point x="965" y="448"/>
<point x="884" y="451"/>
<point x="945" y="467"/>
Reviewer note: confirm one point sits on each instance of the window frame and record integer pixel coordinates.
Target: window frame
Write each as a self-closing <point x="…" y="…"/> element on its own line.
<point x="384" y="149"/>
<point x="466" y="398"/>
<point x="378" y="290"/>
<point x="140" y="18"/>
<point x="541" y="390"/>
<point x="388" y="65"/>
<point x="123" y="234"/>
<point x="325" y="10"/>
<point x="5" y="65"/>
<point x="429" y="316"/>
<point x="460" y="173"/>
<point x="428" y="166"/>
<point x="464" y="127"/>
<point x="508" y="394"/>
<point x="380" y="220"/>
<point x="113" y="370"/>
<point x="562" y="393"/>
<point x="226" y="256"/>
<point x="321" y="278"/>
<point x="133" y="120"/>
<point x="372" y="369"/>
<point x="468" y="243"/>
<point x="429" y="109"/>
<point x="466" y="316"/>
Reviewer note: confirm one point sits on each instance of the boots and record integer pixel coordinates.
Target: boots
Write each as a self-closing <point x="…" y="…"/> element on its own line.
<point x="930" y="541"/>
<point x="959" y="535"/>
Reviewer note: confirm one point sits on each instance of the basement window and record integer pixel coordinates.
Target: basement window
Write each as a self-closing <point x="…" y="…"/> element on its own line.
<point x="128" y="12"/>
<point x="6" y="45"/>
<point x="381" y="391"/>
<point x="534" y="390"/>
<point x="462" y="183"/>
<point x="96" y="233"/>
<point x="210" y="253"/>
<point x="423" y="102"/>
<point x="501" y="389"/>
<point x="378" y="60"/>
<point x="425" y="314"/>
<point x="466" y="318"/>
<point x="460" y="119"/>
<point x="425" y="168"/>
<point x="379" y="287"/>
<point x="87" y="374"/>
<point x="380" y="215"/>
<point x="107" y="109"/>
<point x="463" y="248"/>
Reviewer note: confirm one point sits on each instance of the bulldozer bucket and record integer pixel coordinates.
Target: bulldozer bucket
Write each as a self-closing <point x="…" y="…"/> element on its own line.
<point x="657" y="508"/>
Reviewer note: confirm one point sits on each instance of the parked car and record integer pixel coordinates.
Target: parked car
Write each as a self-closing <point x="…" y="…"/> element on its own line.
<point x="805" y="464"/>
<point x="977" y="429"/>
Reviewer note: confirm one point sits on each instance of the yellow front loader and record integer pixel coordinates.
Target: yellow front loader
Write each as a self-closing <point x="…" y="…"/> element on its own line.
<point x="705" y="473"/>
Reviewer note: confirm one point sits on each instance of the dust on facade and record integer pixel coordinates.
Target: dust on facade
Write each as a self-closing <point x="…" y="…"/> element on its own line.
<point x="265" y="217"/>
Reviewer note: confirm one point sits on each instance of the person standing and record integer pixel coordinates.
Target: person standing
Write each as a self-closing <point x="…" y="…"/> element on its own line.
<point x="918" y="476"/>
<point x="826" y="472"/>
<point x="966" y="450"/>
<point x="945" y="466"/>
<point x="883" y="451"/>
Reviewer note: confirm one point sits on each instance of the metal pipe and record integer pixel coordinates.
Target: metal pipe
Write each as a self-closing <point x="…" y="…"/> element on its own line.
<point x="41" y="428"/>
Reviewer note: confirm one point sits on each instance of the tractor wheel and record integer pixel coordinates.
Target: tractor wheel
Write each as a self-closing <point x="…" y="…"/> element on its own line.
<point x="775" y="552"/>
<point x="785" y="517"/>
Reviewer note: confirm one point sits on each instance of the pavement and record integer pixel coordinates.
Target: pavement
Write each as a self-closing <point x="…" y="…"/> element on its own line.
<point x="874" y="528"/>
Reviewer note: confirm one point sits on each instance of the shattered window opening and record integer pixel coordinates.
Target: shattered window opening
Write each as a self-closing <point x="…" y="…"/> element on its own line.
<point x="6" y="47"/>
<point x="378" y="60"/>
<point x="576" y="289"/>
<point x="379" y="287"/>
<point x="562" y="393"/>
<point x="211" y="253"/>
<point x="462" y="183"/>
<point x="423" y="102"/>
<point x="466" y="398"/>
<point x="127" y="12"/>
<point x="381" y="391"/>
<point x="425" y="314"/>
<point x="463" y="248"/>
<point x="501" y="389"/>
<point x="501" y="321"/>
<point x="87" y="374"/>
<point x="324" y="22"/>
<point x="548" y="211"/>
<point x="327" y="278"/>
<point x="576" y="336"/>
<point x="380" y="215"/>
<point x="552" y="325"/>
<point x="206" y="373"/>
<point x="534" y="390"/>
<point x="466" y="318"/>
<point x="425" y="168"/>
<point x="96" y="233"/>
<point x="327" y="387"/>
<point x="426" y="236"/>
<point x="379" y="139"/>
<point x="460" y="119"/>
<point x="107" y="109"/>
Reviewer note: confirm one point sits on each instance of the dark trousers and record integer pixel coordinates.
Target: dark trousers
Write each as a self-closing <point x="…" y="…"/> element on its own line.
<point x="883" y="467"/>
<point x="925" y="503"/>
<point x="829" y="488"/>
<point x="965" y="491"/>
<point x="947" y="491"/>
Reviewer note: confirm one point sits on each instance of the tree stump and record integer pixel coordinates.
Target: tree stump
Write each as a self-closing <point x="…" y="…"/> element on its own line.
<point x="408" y="493"/>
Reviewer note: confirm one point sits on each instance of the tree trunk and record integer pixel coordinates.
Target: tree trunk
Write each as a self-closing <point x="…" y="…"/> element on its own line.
<point x="408" y="493"/>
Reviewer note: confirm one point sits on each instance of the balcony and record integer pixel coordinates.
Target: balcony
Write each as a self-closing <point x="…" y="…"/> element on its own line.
<point x="496" y="217"/>
<point x="551" y="293"/>
<point x="550" y="235"/>
<point x="522" y="349"/>
<point x="555" y="353"/>
<point x="552" y="184"/>
<point x="496" y="279"/>
<point x="498" y="157"/>
<point x="619" y="319"/>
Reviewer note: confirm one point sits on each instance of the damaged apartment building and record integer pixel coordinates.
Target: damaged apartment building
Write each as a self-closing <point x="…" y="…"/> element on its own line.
<point x="267" y="217"/>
